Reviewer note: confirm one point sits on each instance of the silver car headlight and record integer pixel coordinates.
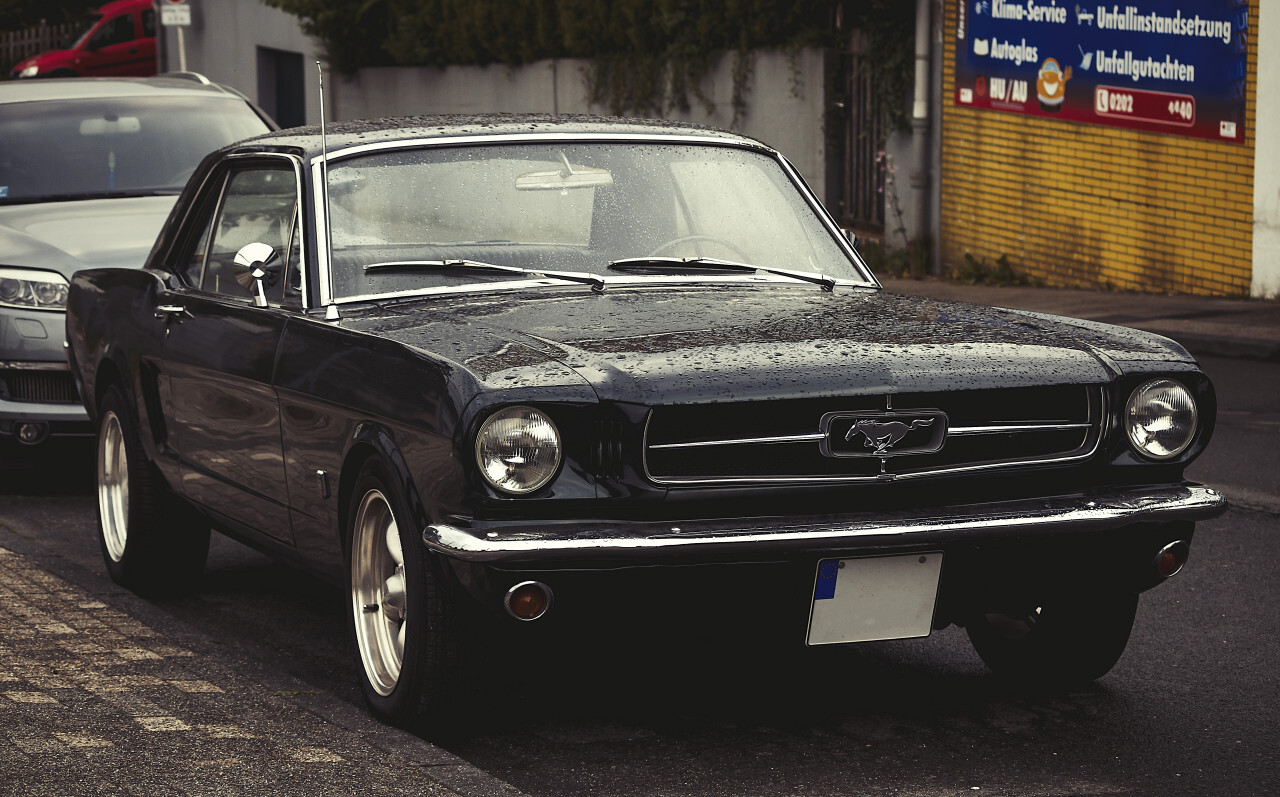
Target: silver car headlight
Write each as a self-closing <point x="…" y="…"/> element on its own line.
<point x="33" y="290"/>
<point x="1161" y="419"/>
<point x="30" y="71"/>
<point x="518" y="450"/>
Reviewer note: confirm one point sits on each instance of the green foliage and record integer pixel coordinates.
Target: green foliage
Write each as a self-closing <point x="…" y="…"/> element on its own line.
<point x="884" y="261"/>
<point x="648" y="56"/>
<point x="977" y="271"/>
<point x="888" y="54"/>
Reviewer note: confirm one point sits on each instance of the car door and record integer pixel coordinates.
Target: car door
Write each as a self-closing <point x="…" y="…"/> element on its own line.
<point x="120" y="47"/>
<point x="221" y="412"/>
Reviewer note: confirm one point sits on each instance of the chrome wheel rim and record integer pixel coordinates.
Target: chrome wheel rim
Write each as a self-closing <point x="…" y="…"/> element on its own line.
<point x="113" y="487"/>
<point x="378" y="592"/>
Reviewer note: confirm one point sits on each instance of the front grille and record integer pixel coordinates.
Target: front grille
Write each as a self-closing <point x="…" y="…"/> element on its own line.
<point x="785" y="440"/>
<point x="45" y="387"/>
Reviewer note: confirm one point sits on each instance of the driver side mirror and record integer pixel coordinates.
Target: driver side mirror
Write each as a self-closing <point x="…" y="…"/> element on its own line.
<point x="256" y="269"/>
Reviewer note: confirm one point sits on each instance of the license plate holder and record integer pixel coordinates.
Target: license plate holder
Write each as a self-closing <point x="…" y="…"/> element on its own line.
<point x="870" y="598"/>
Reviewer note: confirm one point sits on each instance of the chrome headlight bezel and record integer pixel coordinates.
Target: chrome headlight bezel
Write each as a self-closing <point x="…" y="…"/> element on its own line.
<point x="1161" y="419"/>
<point x="33" y="289"/>
<point x="519" y="450"/>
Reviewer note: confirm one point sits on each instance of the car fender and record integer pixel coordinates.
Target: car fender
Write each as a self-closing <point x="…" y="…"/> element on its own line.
<point x="372" y="439"/>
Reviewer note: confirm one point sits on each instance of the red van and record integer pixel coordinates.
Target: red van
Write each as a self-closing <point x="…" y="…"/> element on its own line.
<point x="120" y="40"/>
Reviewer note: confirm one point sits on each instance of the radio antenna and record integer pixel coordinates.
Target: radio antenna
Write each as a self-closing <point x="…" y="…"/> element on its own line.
<point x="331" y="312"/>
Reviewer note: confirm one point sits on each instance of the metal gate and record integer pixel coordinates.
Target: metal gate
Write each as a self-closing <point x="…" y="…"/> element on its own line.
<point x="861" y="136"/>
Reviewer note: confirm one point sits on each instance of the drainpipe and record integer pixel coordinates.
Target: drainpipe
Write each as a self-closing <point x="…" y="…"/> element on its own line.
<point x="920" y="126"/>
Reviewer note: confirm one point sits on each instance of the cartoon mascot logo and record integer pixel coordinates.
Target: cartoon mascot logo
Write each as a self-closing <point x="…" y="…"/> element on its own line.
<point x="1051" y="85"/>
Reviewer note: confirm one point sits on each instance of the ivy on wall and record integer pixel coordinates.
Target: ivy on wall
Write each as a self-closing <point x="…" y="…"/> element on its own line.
<point x="646" y="56"/>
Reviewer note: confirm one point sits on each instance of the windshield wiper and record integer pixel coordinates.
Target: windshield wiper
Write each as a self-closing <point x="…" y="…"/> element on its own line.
<point x="694" y="265"/>
<point x="596" y="282"/>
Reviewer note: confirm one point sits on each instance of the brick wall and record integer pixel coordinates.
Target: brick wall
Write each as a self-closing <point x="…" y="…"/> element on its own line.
<point x="1092" y="206"/>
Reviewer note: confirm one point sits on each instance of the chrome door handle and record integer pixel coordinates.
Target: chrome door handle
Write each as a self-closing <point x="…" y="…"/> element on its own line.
<point x="166" y="311"/>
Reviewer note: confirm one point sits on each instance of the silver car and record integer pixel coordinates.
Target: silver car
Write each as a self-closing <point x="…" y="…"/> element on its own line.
<point x="89" y="169"/>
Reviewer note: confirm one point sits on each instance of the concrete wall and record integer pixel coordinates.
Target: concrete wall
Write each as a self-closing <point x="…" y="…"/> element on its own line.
<point x="786" y="96"/>
<point x="1266" y="168"/>
<point x="785" y="104"/>
<point x="223" y="39"/>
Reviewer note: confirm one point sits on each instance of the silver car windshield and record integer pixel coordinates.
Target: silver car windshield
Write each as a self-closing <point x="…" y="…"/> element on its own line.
<point x="113" y="146"/>
<point x="568" y="207"/>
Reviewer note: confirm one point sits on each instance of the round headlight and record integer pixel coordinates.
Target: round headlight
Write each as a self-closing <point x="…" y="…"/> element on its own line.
<point x="1160" y="419"/>
<point x="518" y="450"/>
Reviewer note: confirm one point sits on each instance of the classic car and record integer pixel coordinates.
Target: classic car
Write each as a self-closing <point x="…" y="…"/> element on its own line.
<point x="507" y="371"/>
<point x="89" y="170"/>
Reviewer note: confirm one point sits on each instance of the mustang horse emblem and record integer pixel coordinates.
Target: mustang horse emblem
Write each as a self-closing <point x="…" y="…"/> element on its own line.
<point x="883" y="435"/>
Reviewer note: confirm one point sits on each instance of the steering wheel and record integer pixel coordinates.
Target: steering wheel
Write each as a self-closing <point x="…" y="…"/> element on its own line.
<point x="684" y="239"/>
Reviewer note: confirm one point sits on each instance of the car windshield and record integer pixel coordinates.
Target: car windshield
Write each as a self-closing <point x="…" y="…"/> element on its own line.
<point x="85" y="30"/>
<point x="77" y="149"/>
<point x="398" y="217"/>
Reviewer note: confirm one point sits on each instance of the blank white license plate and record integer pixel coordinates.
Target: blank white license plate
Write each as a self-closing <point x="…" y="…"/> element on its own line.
<point x="875" y="597"/>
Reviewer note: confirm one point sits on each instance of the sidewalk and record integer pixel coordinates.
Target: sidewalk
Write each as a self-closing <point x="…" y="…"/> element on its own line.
<point x="118" y="698"/>
<point x="1206" y="326"/>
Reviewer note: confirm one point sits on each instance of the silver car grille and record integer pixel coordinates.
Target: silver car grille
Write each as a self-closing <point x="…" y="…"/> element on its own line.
<point x="788" y="441"/>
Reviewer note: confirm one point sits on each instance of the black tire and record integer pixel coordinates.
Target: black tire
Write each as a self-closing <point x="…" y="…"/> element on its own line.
<point x="153" y="543"/>
<point x="1068" y="640"/>
<point x="410" y="686"/>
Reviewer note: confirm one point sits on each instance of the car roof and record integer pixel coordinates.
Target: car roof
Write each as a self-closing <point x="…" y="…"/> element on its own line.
<point x="120" y="5"/>
<point x="89" y="88"/>
<point x="343" y="135"/>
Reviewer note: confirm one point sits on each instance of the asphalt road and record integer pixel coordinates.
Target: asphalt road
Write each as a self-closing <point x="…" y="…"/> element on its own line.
<point x="1190" y="709"/>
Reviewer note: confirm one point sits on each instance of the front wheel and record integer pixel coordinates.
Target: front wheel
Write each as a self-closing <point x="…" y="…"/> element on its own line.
<point x="1058" y="642"/>
<point x="152" y="542"/>
<point x="399" y="621"/>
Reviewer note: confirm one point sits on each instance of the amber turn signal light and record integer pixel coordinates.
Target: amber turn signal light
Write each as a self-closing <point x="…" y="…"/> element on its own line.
<point x="528" y="600"/>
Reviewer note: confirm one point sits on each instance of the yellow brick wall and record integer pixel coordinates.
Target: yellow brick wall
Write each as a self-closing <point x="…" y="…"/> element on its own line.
<point x="1085" y="205"/>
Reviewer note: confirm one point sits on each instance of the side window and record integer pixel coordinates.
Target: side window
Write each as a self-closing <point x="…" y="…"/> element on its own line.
<point x="259" y="205"/>
<point x="116" y="30"/>
<point x="148" y="22"/>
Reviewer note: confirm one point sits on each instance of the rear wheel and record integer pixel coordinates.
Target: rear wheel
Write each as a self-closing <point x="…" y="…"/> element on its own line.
<point x="1059" y="642"/>
<point x="152" y="542"/>
<point x="399" y="617"/>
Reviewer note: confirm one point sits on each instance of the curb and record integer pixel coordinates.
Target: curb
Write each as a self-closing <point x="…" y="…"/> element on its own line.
<point x="440" y="766"/>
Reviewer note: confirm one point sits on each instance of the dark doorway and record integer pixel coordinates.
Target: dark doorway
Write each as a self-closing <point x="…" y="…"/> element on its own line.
<point x="281" y="89"/>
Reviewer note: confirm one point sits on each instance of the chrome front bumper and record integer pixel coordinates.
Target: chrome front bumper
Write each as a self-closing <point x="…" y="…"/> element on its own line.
<point x="567" y="541"/>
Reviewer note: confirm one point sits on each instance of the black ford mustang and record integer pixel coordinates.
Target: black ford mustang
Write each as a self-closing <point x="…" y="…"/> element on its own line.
<point x="503" y="367"/>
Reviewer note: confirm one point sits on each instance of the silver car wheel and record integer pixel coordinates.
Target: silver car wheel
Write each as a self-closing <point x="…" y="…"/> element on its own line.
<point x="378" y="592"/>
<point x="113" y="487"/>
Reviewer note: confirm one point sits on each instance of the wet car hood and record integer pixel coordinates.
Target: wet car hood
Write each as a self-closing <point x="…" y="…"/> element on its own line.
<point x="753" y="342"/>
<point x="92" y="233"/>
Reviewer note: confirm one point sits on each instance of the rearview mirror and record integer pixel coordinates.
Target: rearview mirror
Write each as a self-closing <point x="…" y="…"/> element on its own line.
<point x="565" y="178"/>
<point x="109" y="126"/>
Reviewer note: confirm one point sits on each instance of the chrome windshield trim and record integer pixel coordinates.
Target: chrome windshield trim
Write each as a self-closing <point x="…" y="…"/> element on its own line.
<point x="323" y="256"/>
<point x="530" y="138"/>
<point x="560" y="541"/>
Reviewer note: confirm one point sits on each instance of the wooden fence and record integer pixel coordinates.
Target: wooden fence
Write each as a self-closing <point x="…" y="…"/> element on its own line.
<point x="16" y="45"/>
